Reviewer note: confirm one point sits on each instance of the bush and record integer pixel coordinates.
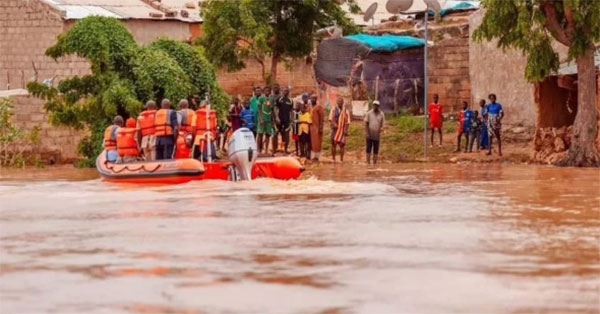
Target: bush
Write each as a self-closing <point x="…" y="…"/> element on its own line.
<point x="14" y="141"/>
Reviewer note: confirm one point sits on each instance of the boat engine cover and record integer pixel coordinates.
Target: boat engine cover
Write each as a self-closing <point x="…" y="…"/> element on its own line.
<point x="242" y="152"/>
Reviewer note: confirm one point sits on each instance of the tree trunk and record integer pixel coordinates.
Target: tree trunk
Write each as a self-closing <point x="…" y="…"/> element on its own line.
<point x="583" y="151"/>
<point x="273" y="74"/>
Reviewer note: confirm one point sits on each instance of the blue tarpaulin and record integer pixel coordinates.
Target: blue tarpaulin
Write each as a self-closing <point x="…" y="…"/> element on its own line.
<point x="388" y="42"/>
<point x="457" y="7"/>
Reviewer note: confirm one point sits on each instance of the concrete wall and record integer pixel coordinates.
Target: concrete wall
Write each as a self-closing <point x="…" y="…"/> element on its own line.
<point x="301" y="77"/>
<point x="146" y="31"/>
<point x="502" y="73"/>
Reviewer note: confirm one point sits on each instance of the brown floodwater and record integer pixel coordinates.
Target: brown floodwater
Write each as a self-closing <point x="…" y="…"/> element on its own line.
<point x="390" y="239"/>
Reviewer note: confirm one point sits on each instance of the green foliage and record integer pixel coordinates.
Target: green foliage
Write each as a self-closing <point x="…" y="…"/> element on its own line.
<point x="14" y="142"/>
<point x="124" y="76"/>
<point x="532" y="25"/>
<point x="160" y="76"/>
<point x="284" y="30"/>
<point x="200" y="71"/>
<point x="105" y="42"/>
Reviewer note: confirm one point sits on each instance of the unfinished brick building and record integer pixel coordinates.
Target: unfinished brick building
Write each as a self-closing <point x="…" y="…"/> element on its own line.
<point x="31" y="26"/>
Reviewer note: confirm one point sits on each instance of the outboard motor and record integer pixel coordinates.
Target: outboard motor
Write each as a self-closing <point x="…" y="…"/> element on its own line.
<point x="242" y="154"/>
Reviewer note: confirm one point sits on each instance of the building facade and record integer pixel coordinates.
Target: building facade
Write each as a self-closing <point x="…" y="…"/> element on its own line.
<point x="29" y="27"/>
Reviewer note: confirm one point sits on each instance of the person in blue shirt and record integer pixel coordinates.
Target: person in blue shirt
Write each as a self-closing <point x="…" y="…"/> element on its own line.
<point x="247" y="117"/>
<point x="495" y="114"/>
<point x="467" y="115"/>
<point x="483" y="137"/>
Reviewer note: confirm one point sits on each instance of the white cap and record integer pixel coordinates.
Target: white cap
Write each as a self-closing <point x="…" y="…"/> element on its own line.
<point x="376" y="102"/>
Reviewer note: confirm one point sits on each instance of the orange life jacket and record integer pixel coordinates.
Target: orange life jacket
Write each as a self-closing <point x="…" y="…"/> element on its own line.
<point x="162" y="123"/>
<point x="201" y="123"/>
<point x="181" y="149"/>
<point x="146" y="122"/>
<point x="126" y="144"/>
<point x="110" y="140"/>
<point x="187" y="117"/>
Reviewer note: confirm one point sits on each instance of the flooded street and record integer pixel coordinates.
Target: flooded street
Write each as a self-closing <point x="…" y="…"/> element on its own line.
<point x="392" y="239"/>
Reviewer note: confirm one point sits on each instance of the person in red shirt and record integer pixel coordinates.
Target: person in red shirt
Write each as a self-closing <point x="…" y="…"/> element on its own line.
<point x="435" y="117"/>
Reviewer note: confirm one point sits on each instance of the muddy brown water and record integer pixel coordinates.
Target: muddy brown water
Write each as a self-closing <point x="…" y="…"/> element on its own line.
<point x="405" y="238"/>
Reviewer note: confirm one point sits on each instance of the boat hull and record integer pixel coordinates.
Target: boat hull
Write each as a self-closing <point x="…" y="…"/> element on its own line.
<point x="175" y="171"/>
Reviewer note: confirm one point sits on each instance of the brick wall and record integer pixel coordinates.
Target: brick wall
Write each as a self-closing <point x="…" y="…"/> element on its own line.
<point x="28" y="28"/>
<point x="57" y="143"/>
<point x="301" y="77"/>
<point x="448" y="72"/>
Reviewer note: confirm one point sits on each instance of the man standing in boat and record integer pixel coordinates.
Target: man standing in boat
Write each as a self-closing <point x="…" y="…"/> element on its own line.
<point x="145" y="131"/>
<point x="110" y="139"/>
<point x="166" y="129"/>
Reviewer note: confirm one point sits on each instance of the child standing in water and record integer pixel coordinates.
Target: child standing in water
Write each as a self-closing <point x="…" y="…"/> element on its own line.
<point x="304" y="122"/>
<point x="483" y="137"/>
<point x="474" y="131"/>
<point x="435" y="117"/>
<point x="295" y="132"/>
<point x="464" y="121"/>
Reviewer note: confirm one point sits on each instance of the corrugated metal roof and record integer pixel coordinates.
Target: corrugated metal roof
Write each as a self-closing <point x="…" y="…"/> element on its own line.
<point x="569" y="68"/>
<point x="81" y="11"/>
<point x="123" y="9"/>
<point x="13" y="92"/>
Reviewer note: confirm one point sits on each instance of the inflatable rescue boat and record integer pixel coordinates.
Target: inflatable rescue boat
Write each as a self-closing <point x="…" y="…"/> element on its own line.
<point x="243" y="164"/>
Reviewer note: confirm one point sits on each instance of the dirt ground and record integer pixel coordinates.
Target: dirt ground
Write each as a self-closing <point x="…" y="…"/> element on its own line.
<point x="402" y="141"/>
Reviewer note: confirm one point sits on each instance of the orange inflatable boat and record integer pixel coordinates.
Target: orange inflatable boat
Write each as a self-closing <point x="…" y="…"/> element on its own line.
<point x="161" y="171"/>
<point x="175" y="171"/>
<point x="281" y="168"/>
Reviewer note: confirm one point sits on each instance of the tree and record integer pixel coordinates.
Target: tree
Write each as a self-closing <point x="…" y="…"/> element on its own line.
<point x="531" y="26"/>
<point x="123" y="76"/>
<point x="280" y="29"/>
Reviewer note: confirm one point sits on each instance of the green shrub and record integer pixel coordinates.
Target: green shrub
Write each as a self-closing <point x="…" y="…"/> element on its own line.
<point x="14" y="142"/>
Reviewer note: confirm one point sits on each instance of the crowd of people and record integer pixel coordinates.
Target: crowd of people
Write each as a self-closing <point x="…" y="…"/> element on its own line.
<point x="162" y="134"/>
<point x="272" y="114"/>
<point x="479" y="128"/>
<point x="276" y="119"/>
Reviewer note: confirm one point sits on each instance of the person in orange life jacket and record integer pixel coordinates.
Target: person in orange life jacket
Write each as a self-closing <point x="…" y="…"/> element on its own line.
<point x="183" y="148"/>
<point x="185" y="117"/>
<point x="127" y="145"/>
<point x="110" y="139"/>
<point x="200" y="138"/>
<point x="166" y="130"/>
<point x="434" y="111"/>
<point x="145" y="131"/>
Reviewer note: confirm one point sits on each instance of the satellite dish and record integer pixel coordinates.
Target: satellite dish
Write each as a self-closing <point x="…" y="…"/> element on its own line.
<point x="337" y="32"/>
<point x="433" y="5"/>
<point x="397" y="6"/>
<point x="333" y="31"/>
<point x="370" y="12"/>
